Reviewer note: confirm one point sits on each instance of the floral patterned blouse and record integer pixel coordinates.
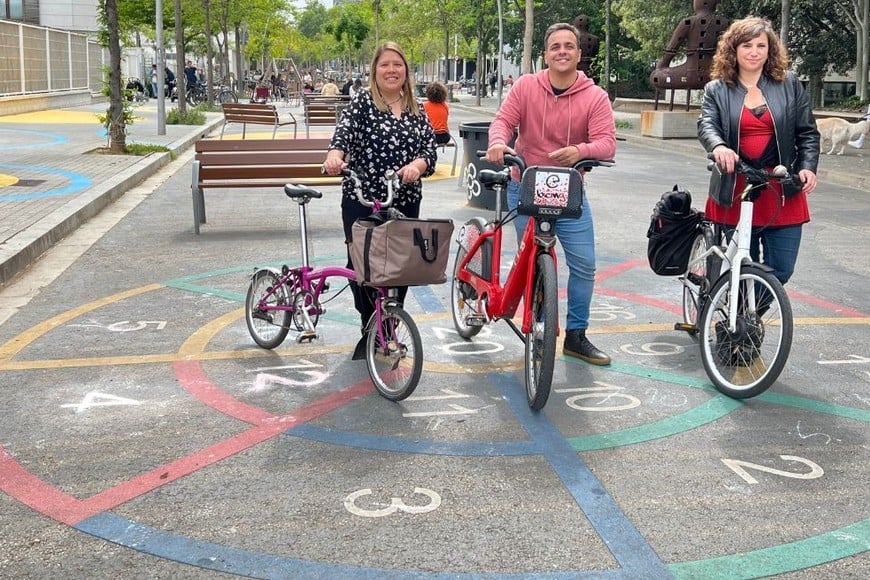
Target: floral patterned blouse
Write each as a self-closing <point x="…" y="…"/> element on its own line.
<point x="374" y="141"/>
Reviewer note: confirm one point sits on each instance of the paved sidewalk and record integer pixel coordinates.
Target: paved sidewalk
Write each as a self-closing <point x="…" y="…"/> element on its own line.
<point x="51" y="182"/>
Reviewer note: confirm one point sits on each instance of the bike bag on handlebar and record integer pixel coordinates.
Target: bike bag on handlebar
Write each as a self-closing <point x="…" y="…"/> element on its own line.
<point x="400" y="252"/>
<point x="551" y="193"/>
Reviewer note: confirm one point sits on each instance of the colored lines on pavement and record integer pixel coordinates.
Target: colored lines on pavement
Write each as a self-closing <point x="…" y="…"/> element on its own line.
<point x="75" y="182"/>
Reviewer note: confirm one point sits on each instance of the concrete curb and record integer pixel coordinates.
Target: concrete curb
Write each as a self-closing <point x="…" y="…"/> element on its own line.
<point x="27" y="246"/>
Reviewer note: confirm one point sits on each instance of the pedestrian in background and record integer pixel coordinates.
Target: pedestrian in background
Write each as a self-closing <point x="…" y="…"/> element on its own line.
<point x="437" y="111"/>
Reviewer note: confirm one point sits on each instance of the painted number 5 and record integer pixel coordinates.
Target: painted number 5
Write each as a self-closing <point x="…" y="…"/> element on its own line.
<point x="738" y="467"/>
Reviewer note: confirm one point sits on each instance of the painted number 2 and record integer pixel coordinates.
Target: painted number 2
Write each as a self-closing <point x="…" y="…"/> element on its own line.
<point x="739" y="467"/>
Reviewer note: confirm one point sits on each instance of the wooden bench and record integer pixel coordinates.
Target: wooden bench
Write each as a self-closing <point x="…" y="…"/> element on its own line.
<point x="256" y="163"/>
<point x="319" y="114"/>
<point x="255" y="114"/>
<point x="444" y="146"/>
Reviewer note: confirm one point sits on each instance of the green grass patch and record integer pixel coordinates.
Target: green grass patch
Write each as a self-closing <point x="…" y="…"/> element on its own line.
<point x="142" y="149"/>
<point x="194" y="116"/>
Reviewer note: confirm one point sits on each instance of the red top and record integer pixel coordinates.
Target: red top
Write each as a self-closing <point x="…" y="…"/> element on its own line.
<point x="437" y="113"/>
<point x="769" y="209"/>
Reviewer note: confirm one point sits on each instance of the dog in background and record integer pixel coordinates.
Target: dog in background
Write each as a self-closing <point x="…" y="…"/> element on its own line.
<point x="840" y="132"/>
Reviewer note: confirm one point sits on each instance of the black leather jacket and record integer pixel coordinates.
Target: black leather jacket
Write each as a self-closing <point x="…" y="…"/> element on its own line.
<point x="797" y="137"/>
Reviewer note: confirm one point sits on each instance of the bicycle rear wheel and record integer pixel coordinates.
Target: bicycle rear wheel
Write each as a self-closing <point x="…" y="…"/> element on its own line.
<point x="463" y="298"/>
<point x="395" y="365"/>
<point x="540" y="354"/>
<point x="268" y="328"/>
<point x="196" y="96"/>
<point x="697" y="280"/>
<point x="746" y="362"/>
<point x="227" y="96"/>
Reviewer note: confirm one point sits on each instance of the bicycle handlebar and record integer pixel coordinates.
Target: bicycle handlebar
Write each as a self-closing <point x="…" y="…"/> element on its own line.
<point x="755" y="175"/>
<point x="391" y="178"/>
<point x="584" y="164"/>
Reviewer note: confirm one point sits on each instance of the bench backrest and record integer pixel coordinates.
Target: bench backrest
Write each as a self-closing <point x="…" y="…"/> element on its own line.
<point x="250" y="113"/>
<point x="262" y="162"/>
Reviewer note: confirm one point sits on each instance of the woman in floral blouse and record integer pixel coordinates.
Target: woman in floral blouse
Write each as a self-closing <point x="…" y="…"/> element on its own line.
<point x="381" y="129"/>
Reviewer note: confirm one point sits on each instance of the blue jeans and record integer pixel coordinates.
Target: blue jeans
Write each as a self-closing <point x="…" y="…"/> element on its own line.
<point x="776" y="247"/>
<point x="577" y="238"/>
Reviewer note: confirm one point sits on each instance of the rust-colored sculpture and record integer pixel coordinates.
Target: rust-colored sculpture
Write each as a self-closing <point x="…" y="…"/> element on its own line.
<point x="700" y="33"/>
<point x="588" y="43"/>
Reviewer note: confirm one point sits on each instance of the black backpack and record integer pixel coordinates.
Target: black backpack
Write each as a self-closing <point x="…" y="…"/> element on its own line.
<point x="671" y="232"/>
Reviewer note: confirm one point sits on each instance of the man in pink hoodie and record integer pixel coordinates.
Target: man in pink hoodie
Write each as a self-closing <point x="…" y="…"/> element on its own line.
<point x="562" y="117"/>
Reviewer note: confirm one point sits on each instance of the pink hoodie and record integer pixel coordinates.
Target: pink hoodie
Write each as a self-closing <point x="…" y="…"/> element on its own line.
<point x="581" y="116"/>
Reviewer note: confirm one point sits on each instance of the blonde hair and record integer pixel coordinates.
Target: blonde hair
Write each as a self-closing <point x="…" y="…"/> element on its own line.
<point x="409" y="101"/>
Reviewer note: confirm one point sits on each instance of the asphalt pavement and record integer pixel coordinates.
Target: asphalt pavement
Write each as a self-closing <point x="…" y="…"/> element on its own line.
<point x="145" y="435"/>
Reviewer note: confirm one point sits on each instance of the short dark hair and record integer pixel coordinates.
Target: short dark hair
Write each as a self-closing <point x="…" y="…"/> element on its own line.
<point x="561" y="26"/>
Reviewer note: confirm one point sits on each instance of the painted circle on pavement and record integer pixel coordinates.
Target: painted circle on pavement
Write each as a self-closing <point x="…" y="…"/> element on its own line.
<point x="93" y="515"/>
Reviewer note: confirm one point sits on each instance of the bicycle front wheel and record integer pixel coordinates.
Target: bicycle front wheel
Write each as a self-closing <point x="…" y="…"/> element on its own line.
<point x="227" y="97"/>
<point x="744" y="363"/>
<point x="268" y="327"/>
<point x="395" y="357"/>
<point x="541" y="340"/>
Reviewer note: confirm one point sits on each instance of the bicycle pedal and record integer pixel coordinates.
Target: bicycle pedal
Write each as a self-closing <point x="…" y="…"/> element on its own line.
<point x="475" y="320"/>
<point x="690" y="328"/>
<point x="306" y="336"/>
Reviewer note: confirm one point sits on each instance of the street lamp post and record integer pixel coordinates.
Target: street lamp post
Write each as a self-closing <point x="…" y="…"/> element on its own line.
<point x="500" y="48"/>
<point x="161" y="67"/>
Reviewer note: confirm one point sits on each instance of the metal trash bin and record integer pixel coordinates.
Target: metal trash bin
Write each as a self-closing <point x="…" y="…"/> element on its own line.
<point x="475" y="137"/>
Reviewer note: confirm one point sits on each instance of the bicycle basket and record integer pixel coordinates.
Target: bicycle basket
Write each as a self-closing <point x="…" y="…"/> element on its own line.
<point x="551" y="193"/>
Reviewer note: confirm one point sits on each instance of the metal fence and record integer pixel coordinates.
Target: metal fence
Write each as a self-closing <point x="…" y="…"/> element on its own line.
<point x="38" y="61"/>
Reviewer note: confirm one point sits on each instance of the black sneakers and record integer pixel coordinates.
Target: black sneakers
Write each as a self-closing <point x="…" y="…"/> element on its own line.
<point x="578" y="346"/>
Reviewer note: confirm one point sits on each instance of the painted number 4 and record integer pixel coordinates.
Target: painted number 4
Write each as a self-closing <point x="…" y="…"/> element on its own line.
<point x="739" y="467"/>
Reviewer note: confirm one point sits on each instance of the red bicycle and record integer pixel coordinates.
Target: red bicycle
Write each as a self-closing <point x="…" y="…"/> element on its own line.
<point x="477" y="293"/>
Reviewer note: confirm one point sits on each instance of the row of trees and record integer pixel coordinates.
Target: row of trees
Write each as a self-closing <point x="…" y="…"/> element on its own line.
<point x="822" y="35"/>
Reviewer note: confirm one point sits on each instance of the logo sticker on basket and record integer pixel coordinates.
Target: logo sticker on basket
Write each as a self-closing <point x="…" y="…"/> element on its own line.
<point x="552" y="189"/>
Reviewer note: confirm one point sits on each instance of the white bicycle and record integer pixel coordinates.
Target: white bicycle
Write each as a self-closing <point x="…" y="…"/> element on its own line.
<point x="738" y="308"/>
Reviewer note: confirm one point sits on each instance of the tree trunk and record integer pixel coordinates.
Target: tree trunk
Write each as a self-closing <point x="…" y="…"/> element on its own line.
<point x="785" y="17"/>
<point x="209" y="51"/>
<point x="446" y="55"/>
<point x="180" y="76"/>
<point x="528" y="37"/>
<point x="863" y="60"/>
<point x="117" y="124"/>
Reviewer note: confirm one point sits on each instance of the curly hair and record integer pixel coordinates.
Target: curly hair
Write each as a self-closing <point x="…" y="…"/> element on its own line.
<point x="725" y="61"/>
<point x="436" y="92"/>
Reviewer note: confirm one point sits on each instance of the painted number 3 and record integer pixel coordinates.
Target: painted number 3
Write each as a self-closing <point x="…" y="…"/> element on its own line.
<point x="396" y="504"/>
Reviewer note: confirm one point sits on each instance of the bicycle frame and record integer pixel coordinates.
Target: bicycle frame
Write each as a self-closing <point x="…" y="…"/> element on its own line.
<point x="313" y="282"/>
<point x="735" y="254"/>
<point x="502" y="301"/>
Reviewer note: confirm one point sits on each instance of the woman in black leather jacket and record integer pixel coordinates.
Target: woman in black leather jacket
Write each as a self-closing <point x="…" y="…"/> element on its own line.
<point x="756" y="110"/>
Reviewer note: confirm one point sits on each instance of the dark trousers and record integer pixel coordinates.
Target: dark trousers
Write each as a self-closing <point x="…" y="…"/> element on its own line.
<point x="363" y="297"/>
